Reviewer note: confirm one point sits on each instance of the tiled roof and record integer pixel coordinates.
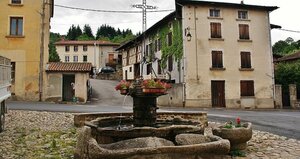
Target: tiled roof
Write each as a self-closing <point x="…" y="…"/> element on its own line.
<point x="68" y="67"/>
<point x="294" y="56"/>
<point x="92" y="42"/>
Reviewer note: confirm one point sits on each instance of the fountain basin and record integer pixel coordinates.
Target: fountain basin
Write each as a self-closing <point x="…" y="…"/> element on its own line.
<point x="88" y="147"/>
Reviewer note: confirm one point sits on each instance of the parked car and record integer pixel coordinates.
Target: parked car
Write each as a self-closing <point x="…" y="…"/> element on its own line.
<point x="106" y="69"/>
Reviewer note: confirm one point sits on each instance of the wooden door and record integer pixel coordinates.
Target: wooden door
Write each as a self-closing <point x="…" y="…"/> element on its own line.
<point x="218" y="93"/>
<point x="68" y="87"/>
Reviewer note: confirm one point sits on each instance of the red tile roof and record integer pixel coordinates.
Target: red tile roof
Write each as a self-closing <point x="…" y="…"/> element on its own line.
<point x="68" y="67"/>
<point x="291" y="57"/>
<point x="91" y="42"/>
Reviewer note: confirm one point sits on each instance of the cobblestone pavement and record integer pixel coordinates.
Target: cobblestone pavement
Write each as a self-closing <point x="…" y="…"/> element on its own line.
<point x="31" y="134"/>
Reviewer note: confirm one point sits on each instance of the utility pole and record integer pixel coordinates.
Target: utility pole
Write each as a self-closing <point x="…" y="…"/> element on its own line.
<point x="144" y="8"/>
<point x="42" y="51"/>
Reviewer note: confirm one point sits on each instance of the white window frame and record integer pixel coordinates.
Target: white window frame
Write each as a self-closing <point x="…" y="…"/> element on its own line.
<point x="241" y="18"/>
<point x="214" y="9"/>
<point x="10" y="2"/>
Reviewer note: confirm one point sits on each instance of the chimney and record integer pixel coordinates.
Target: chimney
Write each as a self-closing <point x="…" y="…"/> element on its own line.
<point x="242" y="2"/>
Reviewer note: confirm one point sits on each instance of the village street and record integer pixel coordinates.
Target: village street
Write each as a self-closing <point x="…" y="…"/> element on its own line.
<point x="106" y="99"/>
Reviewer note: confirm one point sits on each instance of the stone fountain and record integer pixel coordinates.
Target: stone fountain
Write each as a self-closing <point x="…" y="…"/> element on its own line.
<point x="147" y="134"/>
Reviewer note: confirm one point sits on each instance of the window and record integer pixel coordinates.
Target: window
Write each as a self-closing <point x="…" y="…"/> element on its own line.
<point x="217" y="59"/>
<point x="244" y="31"/>
<point x="16" y="1"/>
<point x="85" y="48"/>
<point x="67" y="48"/>
<point x="215" y="29"/>
<point x="75" y="58"/>
<point x="170" y="39"/>
<point x="16" y="26"/>
<point x="13" y="71"/>
<point x="149" y="68"/>
<point x="245" y="60"/>
<point x="67" y="59"/>
<point x="75" y="48"/>
<point x="84" y="58"/>
<point x="214" y="13"/>
<point x="130" y="69"/>
<point x="158" y="44"/>
<point x="247" y="88"/>
<point x="242" y="14"/>
<point x="147" y="50"/>
<point x="155" y="46"/>
<point x="170" y="63"/>
<point x="159" y="67"/>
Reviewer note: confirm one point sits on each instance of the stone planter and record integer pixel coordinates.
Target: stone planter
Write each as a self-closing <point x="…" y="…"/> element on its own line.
<point x="238" y="137"/>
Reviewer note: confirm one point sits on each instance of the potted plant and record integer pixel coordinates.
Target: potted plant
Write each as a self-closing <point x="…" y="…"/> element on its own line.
<point x="123" y="86"/>
<point x="152" y="86"/>
<point x="238" y="134"/>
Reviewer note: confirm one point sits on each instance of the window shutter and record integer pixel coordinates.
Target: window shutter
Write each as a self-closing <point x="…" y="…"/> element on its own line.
<point x="217" y="59"/>
<point x="244" y="31"/>
<point x="215" y="30"/>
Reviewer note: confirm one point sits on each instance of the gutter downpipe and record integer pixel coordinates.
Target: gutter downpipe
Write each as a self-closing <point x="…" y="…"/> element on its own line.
<point x="183" y="60"/>
<point x="196" y="48"/>
<point x="41" y="79"/>
<point x="271" y="57"/>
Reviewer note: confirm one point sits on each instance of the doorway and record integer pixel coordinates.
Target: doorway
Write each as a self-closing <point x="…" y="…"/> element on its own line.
<point x="68" y="87"/>
<point x="218" y="93"/>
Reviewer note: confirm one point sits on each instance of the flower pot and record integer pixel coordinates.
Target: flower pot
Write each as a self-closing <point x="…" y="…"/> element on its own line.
<point x="154" y="90"/>
<point x="238" y="136"/>
<point x="123" y="91"/>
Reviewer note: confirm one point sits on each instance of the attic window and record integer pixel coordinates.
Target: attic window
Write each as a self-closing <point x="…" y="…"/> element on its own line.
<point x="215" y="13"/>
<point x="242" y="14"/>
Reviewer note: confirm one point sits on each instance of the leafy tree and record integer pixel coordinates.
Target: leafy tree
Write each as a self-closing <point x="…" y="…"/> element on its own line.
<point x="53" y="56"/>
<point x="287" y="73"/>
<point x="287" y="46"/>
<point x="88" y="31"/>
<point x="84" y="37"/>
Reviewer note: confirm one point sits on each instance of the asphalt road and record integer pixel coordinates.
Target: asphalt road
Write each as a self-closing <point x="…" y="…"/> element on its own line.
<point x="106" y="99"/>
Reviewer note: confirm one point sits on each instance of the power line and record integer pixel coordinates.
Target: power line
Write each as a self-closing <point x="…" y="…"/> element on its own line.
<point x="110" y="11"/>
<point x="294" y="31"/>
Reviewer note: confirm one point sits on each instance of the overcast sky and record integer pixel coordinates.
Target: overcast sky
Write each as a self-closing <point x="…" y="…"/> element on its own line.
<point x="286" y="16"/>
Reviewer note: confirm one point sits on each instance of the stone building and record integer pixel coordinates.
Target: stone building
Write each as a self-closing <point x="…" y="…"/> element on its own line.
<point x="24" y="38"/>
<point x="217" y="54"/>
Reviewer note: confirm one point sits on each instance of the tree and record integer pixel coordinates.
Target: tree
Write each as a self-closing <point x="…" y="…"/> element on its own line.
<point x="87" y="30"/>
<point x="71" y="35"/>
<point x="78" y="31"/>
<point x="53" y="56"/>
<point x="84" y="37"/>
<point x="285" y="47"/>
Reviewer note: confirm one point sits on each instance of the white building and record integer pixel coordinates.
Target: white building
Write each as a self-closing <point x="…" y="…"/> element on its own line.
<point x="218" y="54"/>
<point x="99" y="53"/>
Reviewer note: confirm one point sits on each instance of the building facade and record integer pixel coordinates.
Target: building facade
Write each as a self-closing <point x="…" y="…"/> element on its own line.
<point x="99" y="53"/>
<point x="226" y="55"/>
<point x="24" y="38"/>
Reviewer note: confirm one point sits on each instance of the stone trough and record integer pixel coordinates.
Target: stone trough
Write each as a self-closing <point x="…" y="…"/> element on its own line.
<point x="175" y="138"/>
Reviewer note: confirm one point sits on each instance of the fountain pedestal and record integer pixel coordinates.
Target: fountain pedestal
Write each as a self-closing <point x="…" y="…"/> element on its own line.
<point x="144" y="111"/>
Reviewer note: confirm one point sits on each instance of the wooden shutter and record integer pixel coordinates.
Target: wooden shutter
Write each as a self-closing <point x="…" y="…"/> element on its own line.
<point x="245" y="60"/>
<point x="247" y="88"/>
<point x="244" y="31"/>
<point x="217" y="59"/>
<point x="215" y="29"/>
